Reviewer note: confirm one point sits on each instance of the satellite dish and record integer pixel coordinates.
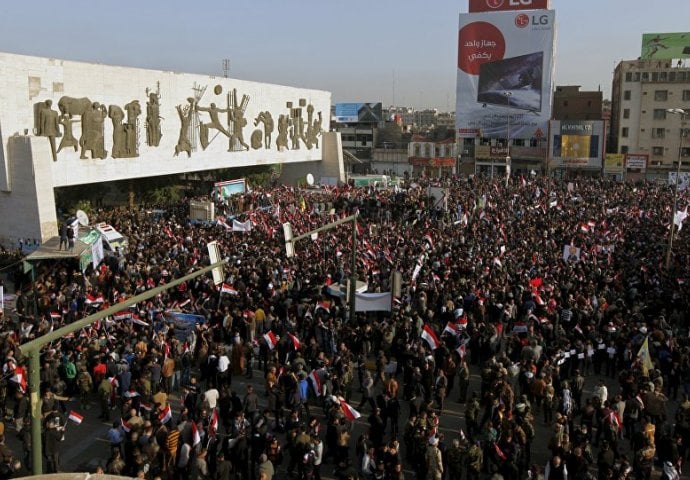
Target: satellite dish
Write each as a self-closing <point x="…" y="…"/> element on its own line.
<point x="82" y="218"/>
<point x="310" y="179"/>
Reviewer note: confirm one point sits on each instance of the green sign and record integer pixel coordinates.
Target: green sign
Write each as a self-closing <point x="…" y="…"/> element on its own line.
<point x="665" y="46"/>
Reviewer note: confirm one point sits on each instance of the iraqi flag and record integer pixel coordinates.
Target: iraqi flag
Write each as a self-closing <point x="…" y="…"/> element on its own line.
<point x="429" y="240"/>
<point x="123" y="315"/>
<point x="271" y="339"/>
<point x="295" y="341"/>
<point x="229" y="289"/>
<point x="350" y="413"/>
<point x="452" y="328"/>
<point x="94" y="300"/>
<point x="429" y="335"/>
<point x="19" y="378"/>
<point x="166" y="415"/>
<point x="213" y="423"/>
<point x="125" y="426"/>
<point x="323" y="305"/>
<point x="196" y="437"/>
<point x="75" y="417"/>
<point x="462" y="351"/>
<point x="315" y="380"/>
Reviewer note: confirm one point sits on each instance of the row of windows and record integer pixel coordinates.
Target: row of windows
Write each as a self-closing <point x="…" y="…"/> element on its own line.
<point x="659" y="151"/>
<point x="659" y="95"/>
<point x="656" y="132"/>
<point x="672" y="76"/>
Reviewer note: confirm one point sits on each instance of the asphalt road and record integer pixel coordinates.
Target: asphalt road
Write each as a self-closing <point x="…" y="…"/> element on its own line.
<point x="85" y="446"/>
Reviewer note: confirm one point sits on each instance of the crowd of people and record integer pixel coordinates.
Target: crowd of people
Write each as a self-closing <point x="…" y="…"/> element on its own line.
<point x="537" y="286"/>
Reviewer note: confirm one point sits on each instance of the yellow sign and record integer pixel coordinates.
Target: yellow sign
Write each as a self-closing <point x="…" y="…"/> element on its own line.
<point x="614" y="160"/>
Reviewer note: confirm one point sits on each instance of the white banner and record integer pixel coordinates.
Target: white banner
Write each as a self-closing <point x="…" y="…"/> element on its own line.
<point x="373" y="302"/>
<point x="505" y="74"/>
<point x="241" y="226"/>
<point x="97" y="252"/>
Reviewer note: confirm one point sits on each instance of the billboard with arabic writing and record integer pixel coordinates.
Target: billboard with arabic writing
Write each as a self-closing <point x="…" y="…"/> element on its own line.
<point x="505" y="72"/>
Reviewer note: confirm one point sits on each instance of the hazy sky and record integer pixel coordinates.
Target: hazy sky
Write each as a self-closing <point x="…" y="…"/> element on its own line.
<point x="401" y="51"/>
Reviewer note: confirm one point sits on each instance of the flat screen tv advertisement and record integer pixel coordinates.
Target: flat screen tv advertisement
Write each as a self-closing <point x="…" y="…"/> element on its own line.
<point x="505" y="72"/>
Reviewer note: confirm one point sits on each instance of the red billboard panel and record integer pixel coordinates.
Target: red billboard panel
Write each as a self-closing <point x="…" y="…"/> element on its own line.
<point x="499" y="5"/>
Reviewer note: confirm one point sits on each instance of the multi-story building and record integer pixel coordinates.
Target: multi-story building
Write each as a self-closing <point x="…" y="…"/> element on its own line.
<point x="641" y="126"/>
<point x="433" y="158"/>
<point x="576" y="132"/>
<point x="569" y="103"/>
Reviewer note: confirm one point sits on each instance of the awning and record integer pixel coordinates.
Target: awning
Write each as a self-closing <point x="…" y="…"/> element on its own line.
<point x="49" y="251"/>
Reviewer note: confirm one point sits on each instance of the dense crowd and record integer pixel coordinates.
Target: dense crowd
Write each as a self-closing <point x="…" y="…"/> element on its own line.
<point x="534" y="286"/>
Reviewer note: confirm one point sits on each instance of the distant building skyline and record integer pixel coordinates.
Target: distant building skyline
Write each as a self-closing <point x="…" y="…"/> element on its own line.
<point x="397" y="53"/>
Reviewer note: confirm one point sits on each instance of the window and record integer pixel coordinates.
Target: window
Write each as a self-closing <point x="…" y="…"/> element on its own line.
<point x="685" y="152"/>
<point x="655" y="76"/>
<point x="659" y="114"/>
<point x="624" y="132"/>
<point x="686" y="95"/>
<point x="662" y="76"/>
<point x="658" y="133"/>
<point x="628" y="77"/>
<point x="624" y="149"/>
<point x="417" y="150"/>
<point x="626" y="113"/>
<point x="626" y="95"/>
<point x="660" y="95"/>
<point x="565" y="103"/>
<point x="672" y="76"/>
<point x="636" y="77"/>
<point x="645" y="76"/>
<point x="657" y="151"/>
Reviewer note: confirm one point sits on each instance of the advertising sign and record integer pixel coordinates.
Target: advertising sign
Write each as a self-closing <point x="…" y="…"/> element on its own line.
<point x="576" y="143"/>
<point x="614" y="161"/>
<point x="358" y="112"/>
<point x="665" y="46"/>
<point x="636" y="161"/>
<point x="230" y="187"/>
<point x="505" y="70"/>
<point x="502" y="5"/>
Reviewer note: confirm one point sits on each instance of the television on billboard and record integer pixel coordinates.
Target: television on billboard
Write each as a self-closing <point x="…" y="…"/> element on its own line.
<point x="358" y="112"/>
<point x="502" y="5"/>
<point x="505" y="72"/>
<point x="665" y="46"/>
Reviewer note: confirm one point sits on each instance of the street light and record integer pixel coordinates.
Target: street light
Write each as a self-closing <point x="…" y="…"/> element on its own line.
<point x="290" y="240"/>
<point x="508" y="95"/>
<point x="682" y="113"/>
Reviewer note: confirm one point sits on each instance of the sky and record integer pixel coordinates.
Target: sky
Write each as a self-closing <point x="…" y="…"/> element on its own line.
<point x="401" y="52"/>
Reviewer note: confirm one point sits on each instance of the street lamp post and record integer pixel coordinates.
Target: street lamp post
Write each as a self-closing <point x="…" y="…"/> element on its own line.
<point x="290" y="250"/>
<point x="508" y="159"/>
<point x="682" y="113"/>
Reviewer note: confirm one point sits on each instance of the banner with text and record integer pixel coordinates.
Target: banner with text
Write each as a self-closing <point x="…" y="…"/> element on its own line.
<point x="576" y="143"/>
<point x="505" y="74"/>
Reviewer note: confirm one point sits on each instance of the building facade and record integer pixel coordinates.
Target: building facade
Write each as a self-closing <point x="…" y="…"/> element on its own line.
<point x="642" y="129"/>
<point x="430" y="158"/>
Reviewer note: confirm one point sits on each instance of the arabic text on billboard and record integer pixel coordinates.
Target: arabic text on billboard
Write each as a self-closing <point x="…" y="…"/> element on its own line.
<point x="499" y="5"/>
<point x="665" y="46"/>
<point x="636" y="161"/>
<point x="505" y="71"/>
<point x="358" y="112"/>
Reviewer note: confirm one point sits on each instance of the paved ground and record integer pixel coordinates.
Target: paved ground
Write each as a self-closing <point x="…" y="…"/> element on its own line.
<point x="85" y="446"/>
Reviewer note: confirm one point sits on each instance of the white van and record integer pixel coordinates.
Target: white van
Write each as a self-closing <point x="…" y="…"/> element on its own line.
<point x="112" y="239"/>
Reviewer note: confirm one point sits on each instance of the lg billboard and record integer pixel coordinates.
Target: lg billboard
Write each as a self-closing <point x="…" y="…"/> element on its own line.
<point x="502" y="5"/>
<point x="505" y="71"/>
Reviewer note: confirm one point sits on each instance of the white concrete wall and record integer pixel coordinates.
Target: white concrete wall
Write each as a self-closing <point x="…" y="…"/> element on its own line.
<point x="28" y="174"/>
<point x="27" y="80"/>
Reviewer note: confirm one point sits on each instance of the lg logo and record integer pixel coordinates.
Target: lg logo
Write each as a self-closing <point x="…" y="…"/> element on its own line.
<point x="511" y="3"/>
<point x="522" y="20"/>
